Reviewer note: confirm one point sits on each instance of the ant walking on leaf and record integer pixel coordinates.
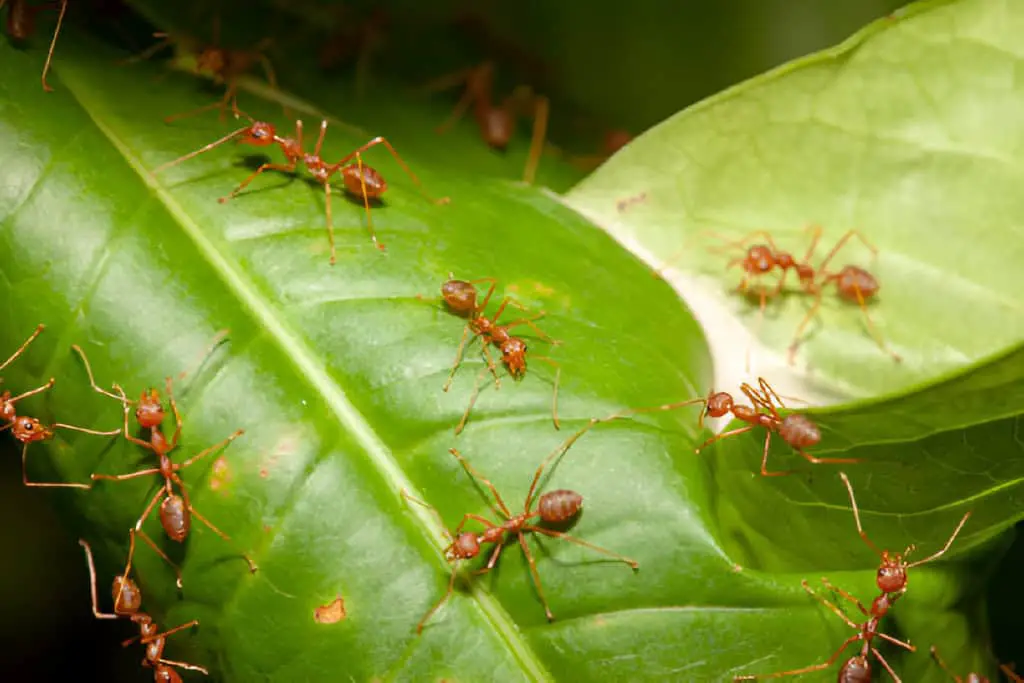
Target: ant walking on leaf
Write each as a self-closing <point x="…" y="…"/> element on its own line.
<point x="359" y="180"/>
<point x="461" y="297"/>
<point x="552" y="508"/>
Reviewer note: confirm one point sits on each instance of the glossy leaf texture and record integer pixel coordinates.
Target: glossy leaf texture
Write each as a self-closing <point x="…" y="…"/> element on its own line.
<point x="336" y="375"/>
<point x="908" y="132"/>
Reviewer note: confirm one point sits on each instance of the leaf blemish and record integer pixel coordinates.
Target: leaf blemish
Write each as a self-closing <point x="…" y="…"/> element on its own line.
<point x="221" y="475"/>
<point x="331" y="613"/>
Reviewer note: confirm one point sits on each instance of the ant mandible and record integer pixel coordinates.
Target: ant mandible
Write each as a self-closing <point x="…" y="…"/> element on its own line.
<point x="358" y="178"/>
<point x="21" y="24"/>
<point x="856" y="669"/>
<point x="461" y="298"/>
<point x="497" y="124"/>
<point x="797" y="430"/>
<point x="176" y="510"/>
<point x="973" y="677"/>
<point x="553" y="507"/>
<point x="29" y="430"/>
<point x="892" y="573"/>
<point x="128" y="604"/>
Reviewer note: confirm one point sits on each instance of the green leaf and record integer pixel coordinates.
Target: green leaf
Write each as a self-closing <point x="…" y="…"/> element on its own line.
<point x="336" y="374"/>
<point x="906" y="132"/>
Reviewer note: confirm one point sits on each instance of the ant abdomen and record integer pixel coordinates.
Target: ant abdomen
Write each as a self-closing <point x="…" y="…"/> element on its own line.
<point x="559" y="506"/>
<point x="856" y="670"/>
<point x="798" y="430"/>
<point x="127" y="596"/>
<point x="165" y="674"/>
<point x="459" y="295"/>
<point x="175" y="518"/>
<point x="856" y="284"/>
<point x="497" y="126"/>
<point x="373" y="180"/>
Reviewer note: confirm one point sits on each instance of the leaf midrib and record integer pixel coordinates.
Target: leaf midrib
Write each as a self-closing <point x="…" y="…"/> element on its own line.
<point x="332" y="394"/>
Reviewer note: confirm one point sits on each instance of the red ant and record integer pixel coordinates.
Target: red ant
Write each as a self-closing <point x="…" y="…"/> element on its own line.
<point x="223" y="65"/>
<point x="29" y="430"/>
<point x="497" y="124"/>
<point x="973" y="677"/>
<point x="21" y="24"/>
<point x="892" y="573"/>
<point x="358" y="178"/>
<point x="461" y="297"/>
<point x="128" y="604"/>
<point x="553" y="507"/>
<point x="797" y="430"/>
<point x="176" y="511"/>
<point x="856" y="669"/>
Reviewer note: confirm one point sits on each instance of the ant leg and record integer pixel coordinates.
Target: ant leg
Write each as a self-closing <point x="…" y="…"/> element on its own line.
<point x="205" y="148"/>
<point x="482" y="479"/>
<point x="856" y="514"/>
<point x="535" y="575"/>
<point x="873" y="330"/>
<point x="830" y="605"/>
<point x="579" y="541"/>
<point x="729" y="243"/>
<point x="287" y="168"/>
<point x="803" y="324"/>
<point x="1010" y="673"/>
<point x="149" y="51"/>
<point x="554" y="392"/>
<point x="32" y="392"/>
<point x="252" y="565"/>
<point x="21" y="349"/>
<point x="845" y="595"/>
<point x="149" y="541"/>
<point x="366" y="202"/>
<point x="219" y="104"/>
<point x="541" y="108"/>
<point x="935" y="655"/>
<point x="944" y="548"/>
<point x="164" y="634"/>
<point x="561" y="449"/>
<point x="92" y="381"/>
<point x="130" y="475"/>
<point x="40" y="484"/>
<point x="818" y="461"/>
<point x="212" y="449"/>
<point x="476" y="518"/>
<point x="53" y="44"/>
<point x="881" y="660"/>
<point x="92" y="583"/>
<point x="897" y="641"/>
<point x="184" y="665"/>
<point x="843" y="240"/>
<point x="405" y="167"/>
<point x="472" y="398"/>
<point x="764" y="458"/>
<point x="160" y="493"/>
<point x="723" y="435"/>
<point x="444" y="598"/>
<point x="491" y="365"/>
<point x="807" y="669"/>
<point x="815" y="231"/>
<point x="458" y="356"/>
<point x="431" y="508"/>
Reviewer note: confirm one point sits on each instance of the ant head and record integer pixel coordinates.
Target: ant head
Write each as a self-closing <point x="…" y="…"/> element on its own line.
<point x="718" y="404"/>
<point x="127" y="596"/>
<point x="513" y="352"/>
<point x="150" y="411"/>
<point x="259" y="134"/>
<point x="760" y="259"/>
<point x="892" y="574"/>
<point x="464" y="547"/>
<point x="29" y="430"/>
<point x="799" y="430"/>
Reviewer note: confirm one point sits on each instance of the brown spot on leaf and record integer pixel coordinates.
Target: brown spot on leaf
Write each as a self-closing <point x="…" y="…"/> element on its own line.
<point x="331" y="613"/>
<point x="221" y="475"/>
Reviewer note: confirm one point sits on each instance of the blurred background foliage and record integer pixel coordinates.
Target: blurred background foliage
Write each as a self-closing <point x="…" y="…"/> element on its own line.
<point x="606" y="66"/>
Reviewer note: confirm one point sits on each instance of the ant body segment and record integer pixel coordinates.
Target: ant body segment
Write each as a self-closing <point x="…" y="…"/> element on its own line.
<point x="358" y="179"/>
<point x="29" y="430"/>
<point x="892" y="573"/>
<point x="496" y="124"/>
<point x="856" y="669"/>
<point x="461" y="298"/>
<point x="128" y="605"/>
<point x="21" y="24"/>
<point x="553" y="507"/>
